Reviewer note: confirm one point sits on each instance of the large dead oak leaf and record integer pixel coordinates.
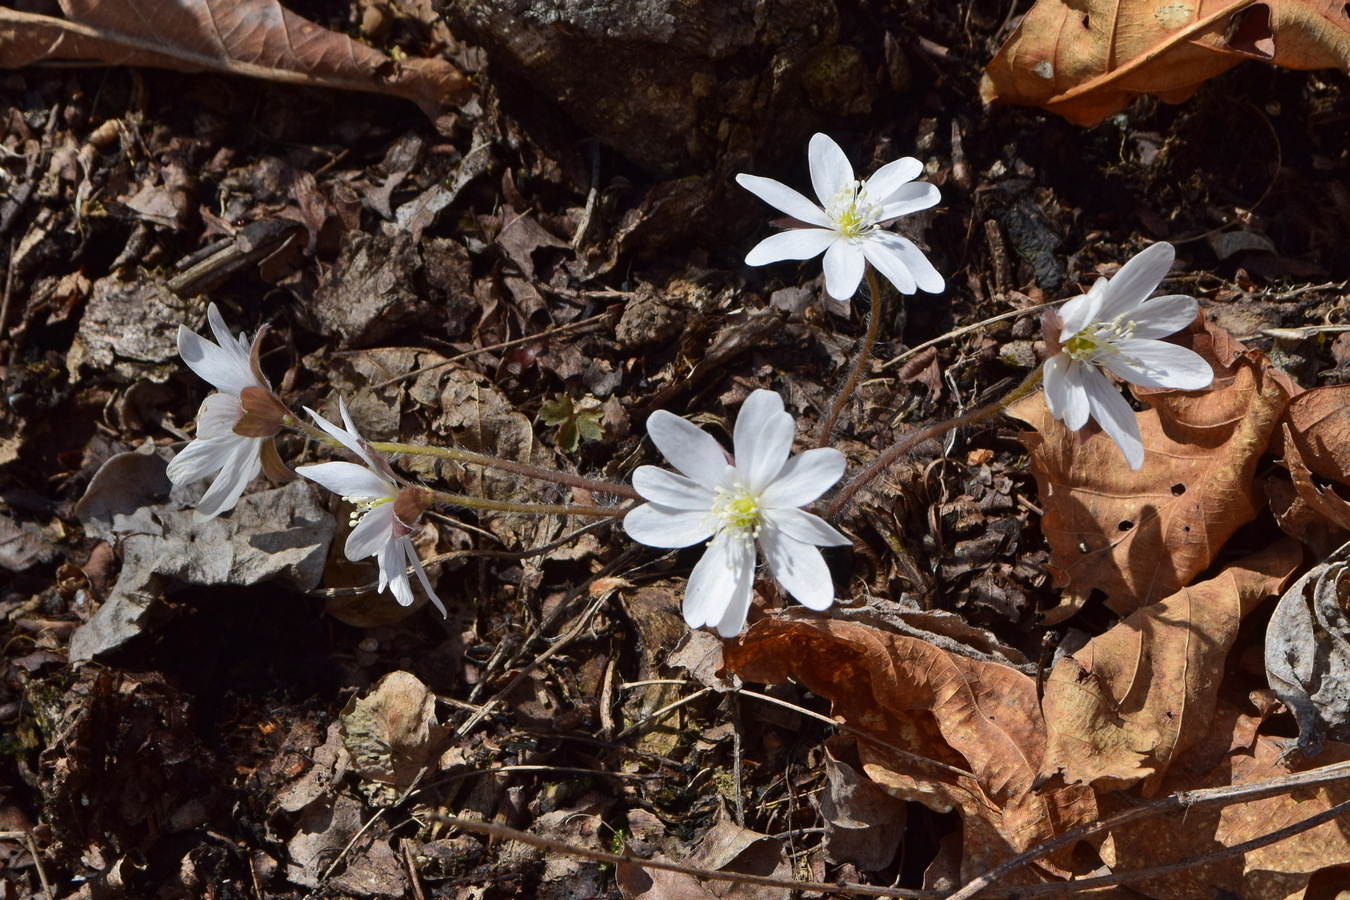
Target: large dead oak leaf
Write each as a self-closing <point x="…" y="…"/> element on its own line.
<point x="259" y="38"/>
<point x="1087" y="60"/>
<point x="1140" y="536"/>
<point x="1275" y="872"/>
<point x="961" y="713"/>
<point x="1121" y="708"/>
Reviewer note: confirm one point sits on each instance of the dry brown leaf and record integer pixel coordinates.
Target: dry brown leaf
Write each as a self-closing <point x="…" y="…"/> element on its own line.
<point x="1120" y="709"/>
<point x="1140" y="536"/>
<point x="1308" y="654"/>
<point x="1318" y="516"/>
<point x="391" y="734"/>
<point x="1087" y="60"/>
<point x="1319" y="424"/>
<point x="726" y="847"/>
<point x="258" y="38"/>
<point x="958" y="712"/>
<point x="1275" y="872"/>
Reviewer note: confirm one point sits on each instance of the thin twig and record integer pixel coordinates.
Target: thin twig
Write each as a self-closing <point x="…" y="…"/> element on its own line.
<point x="1186" y="800"/>
<point x="616" y="859"/>
<point x="857" y="732"/>
<point x="864" y="357"/>
<point x="957" y="332"/>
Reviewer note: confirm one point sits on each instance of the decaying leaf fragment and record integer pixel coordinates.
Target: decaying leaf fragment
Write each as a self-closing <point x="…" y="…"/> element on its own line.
<point x="258" y="38"/>
<point x="1140" y="536"/>
<point x="392" y="733"/>
<point x="1308" y="652"/>
<point x="971" y="731"/>
<point x="1087" y="60"/>
<point x="1123" y="707"/>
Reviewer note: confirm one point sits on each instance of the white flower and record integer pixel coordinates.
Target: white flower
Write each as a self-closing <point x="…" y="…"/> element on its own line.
<point x="755" y="499"/>
<point x="849" y="226"/>
<point x="234" y="426"/>
<point x="384" y="514"/>
<point x="1115" y="326"/>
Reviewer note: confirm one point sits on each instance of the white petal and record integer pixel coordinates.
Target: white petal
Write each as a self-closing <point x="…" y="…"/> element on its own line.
<point x="242" y="466"/>
<point x="374" y="532"/>
<point x="844" y="264"/>
<point x="780" y="196"/>
<point x="219" y="367"/>
<point x="891" y="266"/>
<point x="803" y="478"/>
<point x="806" y="528"/>
<point x="732" y="622"/>
<point x="420" y="572"/>
<point x="797" y="243"/>
<point x="1163" y="316"/>
<point x="393" y="565"/>
<point x="1065" y="396"/>
<point x="798" y="567"/>
<point x="763" y="439"/>
<point x="349" y="480"/>
<point x="1079" y="312"/>
<point x="1137" y="279"/>
<point x="714" y="580"/>
<point x="217" y="416"/>
<point x="202" y="458"/>
<point x="1158" y="364"/>
<point x="1113" y="413"/>
<point x="358" y="446"/>
<point x="908" y="253"/>
<point x="688" y="448"/>
<point x="669" y="489"/>
<point x="830" y="168"/>
<point x="661" y="526"/>
<point x="890" y="178"/>
<point x="342" y="437"/>
<point x="910" y="198"/>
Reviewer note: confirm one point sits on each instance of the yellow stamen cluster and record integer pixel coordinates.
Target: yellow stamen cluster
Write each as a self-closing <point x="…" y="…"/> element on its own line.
<point x="851" y="211"/>
<point x="737" y="510"/>
<point x="361" y="506"/>
<point x="1099" y="339"/>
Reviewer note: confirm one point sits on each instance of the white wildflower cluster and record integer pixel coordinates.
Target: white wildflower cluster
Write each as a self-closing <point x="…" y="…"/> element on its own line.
<point x="740" y="505"/>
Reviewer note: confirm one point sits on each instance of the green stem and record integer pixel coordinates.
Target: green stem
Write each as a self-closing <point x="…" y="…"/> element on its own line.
<point x="535" y="509"/>
<point x="864" y="357"/>
<point x="914" y="438"/>
<point x="538" y="473"/>
<point x="478" y="459"/>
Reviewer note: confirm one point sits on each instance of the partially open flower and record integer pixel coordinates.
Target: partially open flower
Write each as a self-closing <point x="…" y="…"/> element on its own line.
<point x="754" y="500"/>
<point x="1116" y="327"/>
<point x="849" y="225"/>
<point x="384" y="513"/>
<point x="235" y="426"/>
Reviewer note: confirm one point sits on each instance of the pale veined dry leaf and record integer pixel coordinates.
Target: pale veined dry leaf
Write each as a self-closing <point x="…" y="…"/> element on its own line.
<point x="1086" y="61"/>
<point x="1121" y="708"/>
<point x="1275" y="872"/>
<point x="1139" y="536"/>
<point x="960" y="713"/>
<point x="259" y="38"/>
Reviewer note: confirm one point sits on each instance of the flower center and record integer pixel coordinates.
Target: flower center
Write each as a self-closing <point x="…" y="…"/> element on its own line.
<point x="1099" y="339"/>
<point x="737" y="510"/>
<point x="361" y="506"/>
<point x="851" y="211"/>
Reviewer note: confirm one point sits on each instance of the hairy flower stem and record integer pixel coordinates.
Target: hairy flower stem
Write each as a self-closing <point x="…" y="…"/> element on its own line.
<point x="826" y="427"/>
<point x="528" y="509"/>
<point x="479" y="459"/>
<point x="892" y="453"/>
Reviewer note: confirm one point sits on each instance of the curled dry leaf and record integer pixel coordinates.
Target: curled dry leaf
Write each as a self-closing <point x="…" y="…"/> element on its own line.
<point x="1139" y="536"/>
<point x="958" y="713"/>
<point x="1121" y="708"/>
<point x="1275" y="872"/>
<point x="258" y="38"/>
<point x="1308" y="654"/>
<point x="1319" y="425"/>
<point x="392" y="733"/>
<point x="1087" y="60"/>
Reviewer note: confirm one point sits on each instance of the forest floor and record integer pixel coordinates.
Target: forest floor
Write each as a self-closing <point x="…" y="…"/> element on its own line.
<point x="200" y="755"/>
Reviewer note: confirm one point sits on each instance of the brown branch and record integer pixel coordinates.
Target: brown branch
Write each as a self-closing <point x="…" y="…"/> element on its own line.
<point x="1184" y="800"/>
